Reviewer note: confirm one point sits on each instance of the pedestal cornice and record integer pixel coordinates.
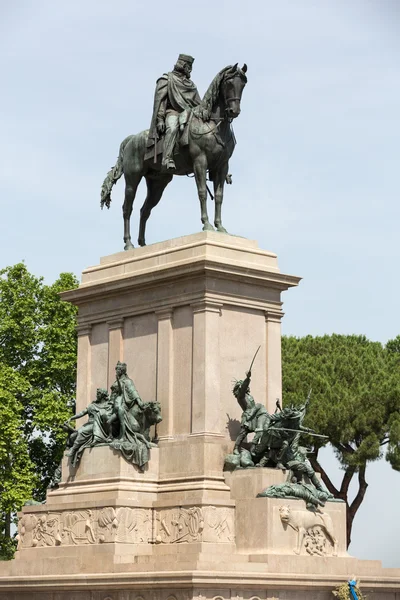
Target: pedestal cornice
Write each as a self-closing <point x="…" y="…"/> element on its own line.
<point x="205" y="255"/>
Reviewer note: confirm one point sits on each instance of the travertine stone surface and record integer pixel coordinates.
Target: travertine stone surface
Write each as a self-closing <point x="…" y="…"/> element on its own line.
<point x="184" y="525"/>
<point x="103" y="474"/>
<point x="259" y="527"/>
<point x="71" y="527"/>
<point x="187" y="316"/>
<point x="261" y="522"/>
<point x="145" y="524"/>
<point x="218" y="585"/>
<point x="166" y="535"/>
<point x="247" y="483"/>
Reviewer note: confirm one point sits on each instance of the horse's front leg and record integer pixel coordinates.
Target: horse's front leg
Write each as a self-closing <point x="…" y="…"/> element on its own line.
<point x="219" y="181"/>
<point x="130" y="193"/>
<point x="200" y="173"/>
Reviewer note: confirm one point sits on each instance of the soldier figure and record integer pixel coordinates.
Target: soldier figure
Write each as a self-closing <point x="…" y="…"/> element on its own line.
<point x="174" y="98"/>
<point x="255" y="417"/>
<point x="300" y="465"/>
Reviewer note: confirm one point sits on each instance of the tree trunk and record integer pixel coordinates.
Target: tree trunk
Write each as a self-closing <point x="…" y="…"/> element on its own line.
<point x="342" y="494"/>
<point x="324" y="476"/>
<point x="355" y="505"/>
<point x="7" y="525"/>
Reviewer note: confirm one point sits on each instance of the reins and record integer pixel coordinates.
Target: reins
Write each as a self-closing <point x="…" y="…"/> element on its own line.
<point x="218" y="121"/>
<point x="198" y="135"/>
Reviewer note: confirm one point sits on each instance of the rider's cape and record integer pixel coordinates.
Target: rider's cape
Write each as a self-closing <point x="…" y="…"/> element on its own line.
<point x="175" y="93"/>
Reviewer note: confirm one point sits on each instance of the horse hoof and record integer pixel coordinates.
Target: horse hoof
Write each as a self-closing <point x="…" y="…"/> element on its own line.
<point x="208" y="227"/>
<point x="141" y="243"/>
<point x="221" y="229"/>
<point x="129" y="246"/>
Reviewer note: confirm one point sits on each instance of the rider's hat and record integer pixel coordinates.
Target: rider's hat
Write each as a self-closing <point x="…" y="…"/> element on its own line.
<point x="186" y="58"/>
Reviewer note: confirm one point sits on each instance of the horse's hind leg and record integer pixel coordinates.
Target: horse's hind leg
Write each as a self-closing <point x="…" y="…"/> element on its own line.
<point x="130" y="193"/>
<point x="155" y="188"/>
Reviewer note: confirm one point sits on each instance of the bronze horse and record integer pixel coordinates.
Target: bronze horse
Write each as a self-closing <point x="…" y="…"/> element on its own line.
<point x="282" y="434"/>
<point x="210" y="146"/>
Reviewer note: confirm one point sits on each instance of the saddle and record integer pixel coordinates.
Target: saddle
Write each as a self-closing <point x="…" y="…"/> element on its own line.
<point x="182" y="140"/>
<point x="151" y="151"/>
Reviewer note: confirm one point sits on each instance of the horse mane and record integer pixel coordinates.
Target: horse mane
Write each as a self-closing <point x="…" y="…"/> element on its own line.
<point x="211" y="95"/>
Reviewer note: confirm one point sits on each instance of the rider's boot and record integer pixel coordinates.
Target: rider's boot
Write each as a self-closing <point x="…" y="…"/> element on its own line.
<point x="171" y="133"/>
<point x="170" y="165"/>
<point x="317" y="483"/>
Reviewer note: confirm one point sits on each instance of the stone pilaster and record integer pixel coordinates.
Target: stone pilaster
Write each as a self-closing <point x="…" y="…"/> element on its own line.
<point x="84" y="365"/>
<point x="273" y="357"/>
<point x="206" y="405"/>
<point x="115" y="346"/>
<point x="165" y="371"/>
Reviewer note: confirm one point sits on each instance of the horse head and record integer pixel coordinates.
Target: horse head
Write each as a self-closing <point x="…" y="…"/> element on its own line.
<point x="222" y="99"/>
<point x="232" y="87"/>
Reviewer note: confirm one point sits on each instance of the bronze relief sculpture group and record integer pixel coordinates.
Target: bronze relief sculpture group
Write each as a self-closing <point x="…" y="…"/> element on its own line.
<point x="121" y="420"/>
<point x="276" y="444"/>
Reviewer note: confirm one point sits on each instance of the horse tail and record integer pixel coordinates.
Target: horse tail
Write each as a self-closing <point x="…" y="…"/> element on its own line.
<point x="113" y="175"/>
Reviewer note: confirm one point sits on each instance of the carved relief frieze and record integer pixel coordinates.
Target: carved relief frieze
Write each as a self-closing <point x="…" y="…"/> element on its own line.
<point x="124" y="524"/>
<point x="77" y="527"/>
<point x="177" y="525"/>
<point x="41" y="530"/>
<point x="220" y="524"/>
<point x="127" y="525"/>
<point x="194" y="524"/>
<point x="316" y="542"/>
<point x="80" y="527"/>
<point x="315" y="534"/>
<point x="26" y="527"/>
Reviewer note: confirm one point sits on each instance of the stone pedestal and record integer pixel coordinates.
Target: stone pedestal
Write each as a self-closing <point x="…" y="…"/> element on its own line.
<point x="186" y="316"/>
<point x="261" y="530"/>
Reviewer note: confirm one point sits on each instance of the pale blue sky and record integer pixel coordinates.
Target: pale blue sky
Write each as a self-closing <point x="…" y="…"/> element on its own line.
<point x="315" y="170"/>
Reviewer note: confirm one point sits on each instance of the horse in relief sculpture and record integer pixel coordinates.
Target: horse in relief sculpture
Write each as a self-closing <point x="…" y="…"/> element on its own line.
<point x="205" y="145"/>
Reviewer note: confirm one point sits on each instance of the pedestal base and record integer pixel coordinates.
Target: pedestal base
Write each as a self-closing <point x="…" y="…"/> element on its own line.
<point x="140" y="538"/>
<point x="186" y="316"/>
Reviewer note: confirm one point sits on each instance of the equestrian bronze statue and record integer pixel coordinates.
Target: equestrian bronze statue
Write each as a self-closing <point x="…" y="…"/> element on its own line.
<point x="187" y="135"/>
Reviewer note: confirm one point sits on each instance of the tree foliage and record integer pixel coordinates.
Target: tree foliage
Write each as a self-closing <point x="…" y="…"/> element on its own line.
<point x="37" y="386"/>
<point x="355" y="401"/>
<point x="17" y="473"/>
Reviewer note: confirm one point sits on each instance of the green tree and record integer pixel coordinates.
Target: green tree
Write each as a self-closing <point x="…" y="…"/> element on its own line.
<point x="17" y="473"/>
<point x="37" y="386"/>
<point x="355" y="401"/>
